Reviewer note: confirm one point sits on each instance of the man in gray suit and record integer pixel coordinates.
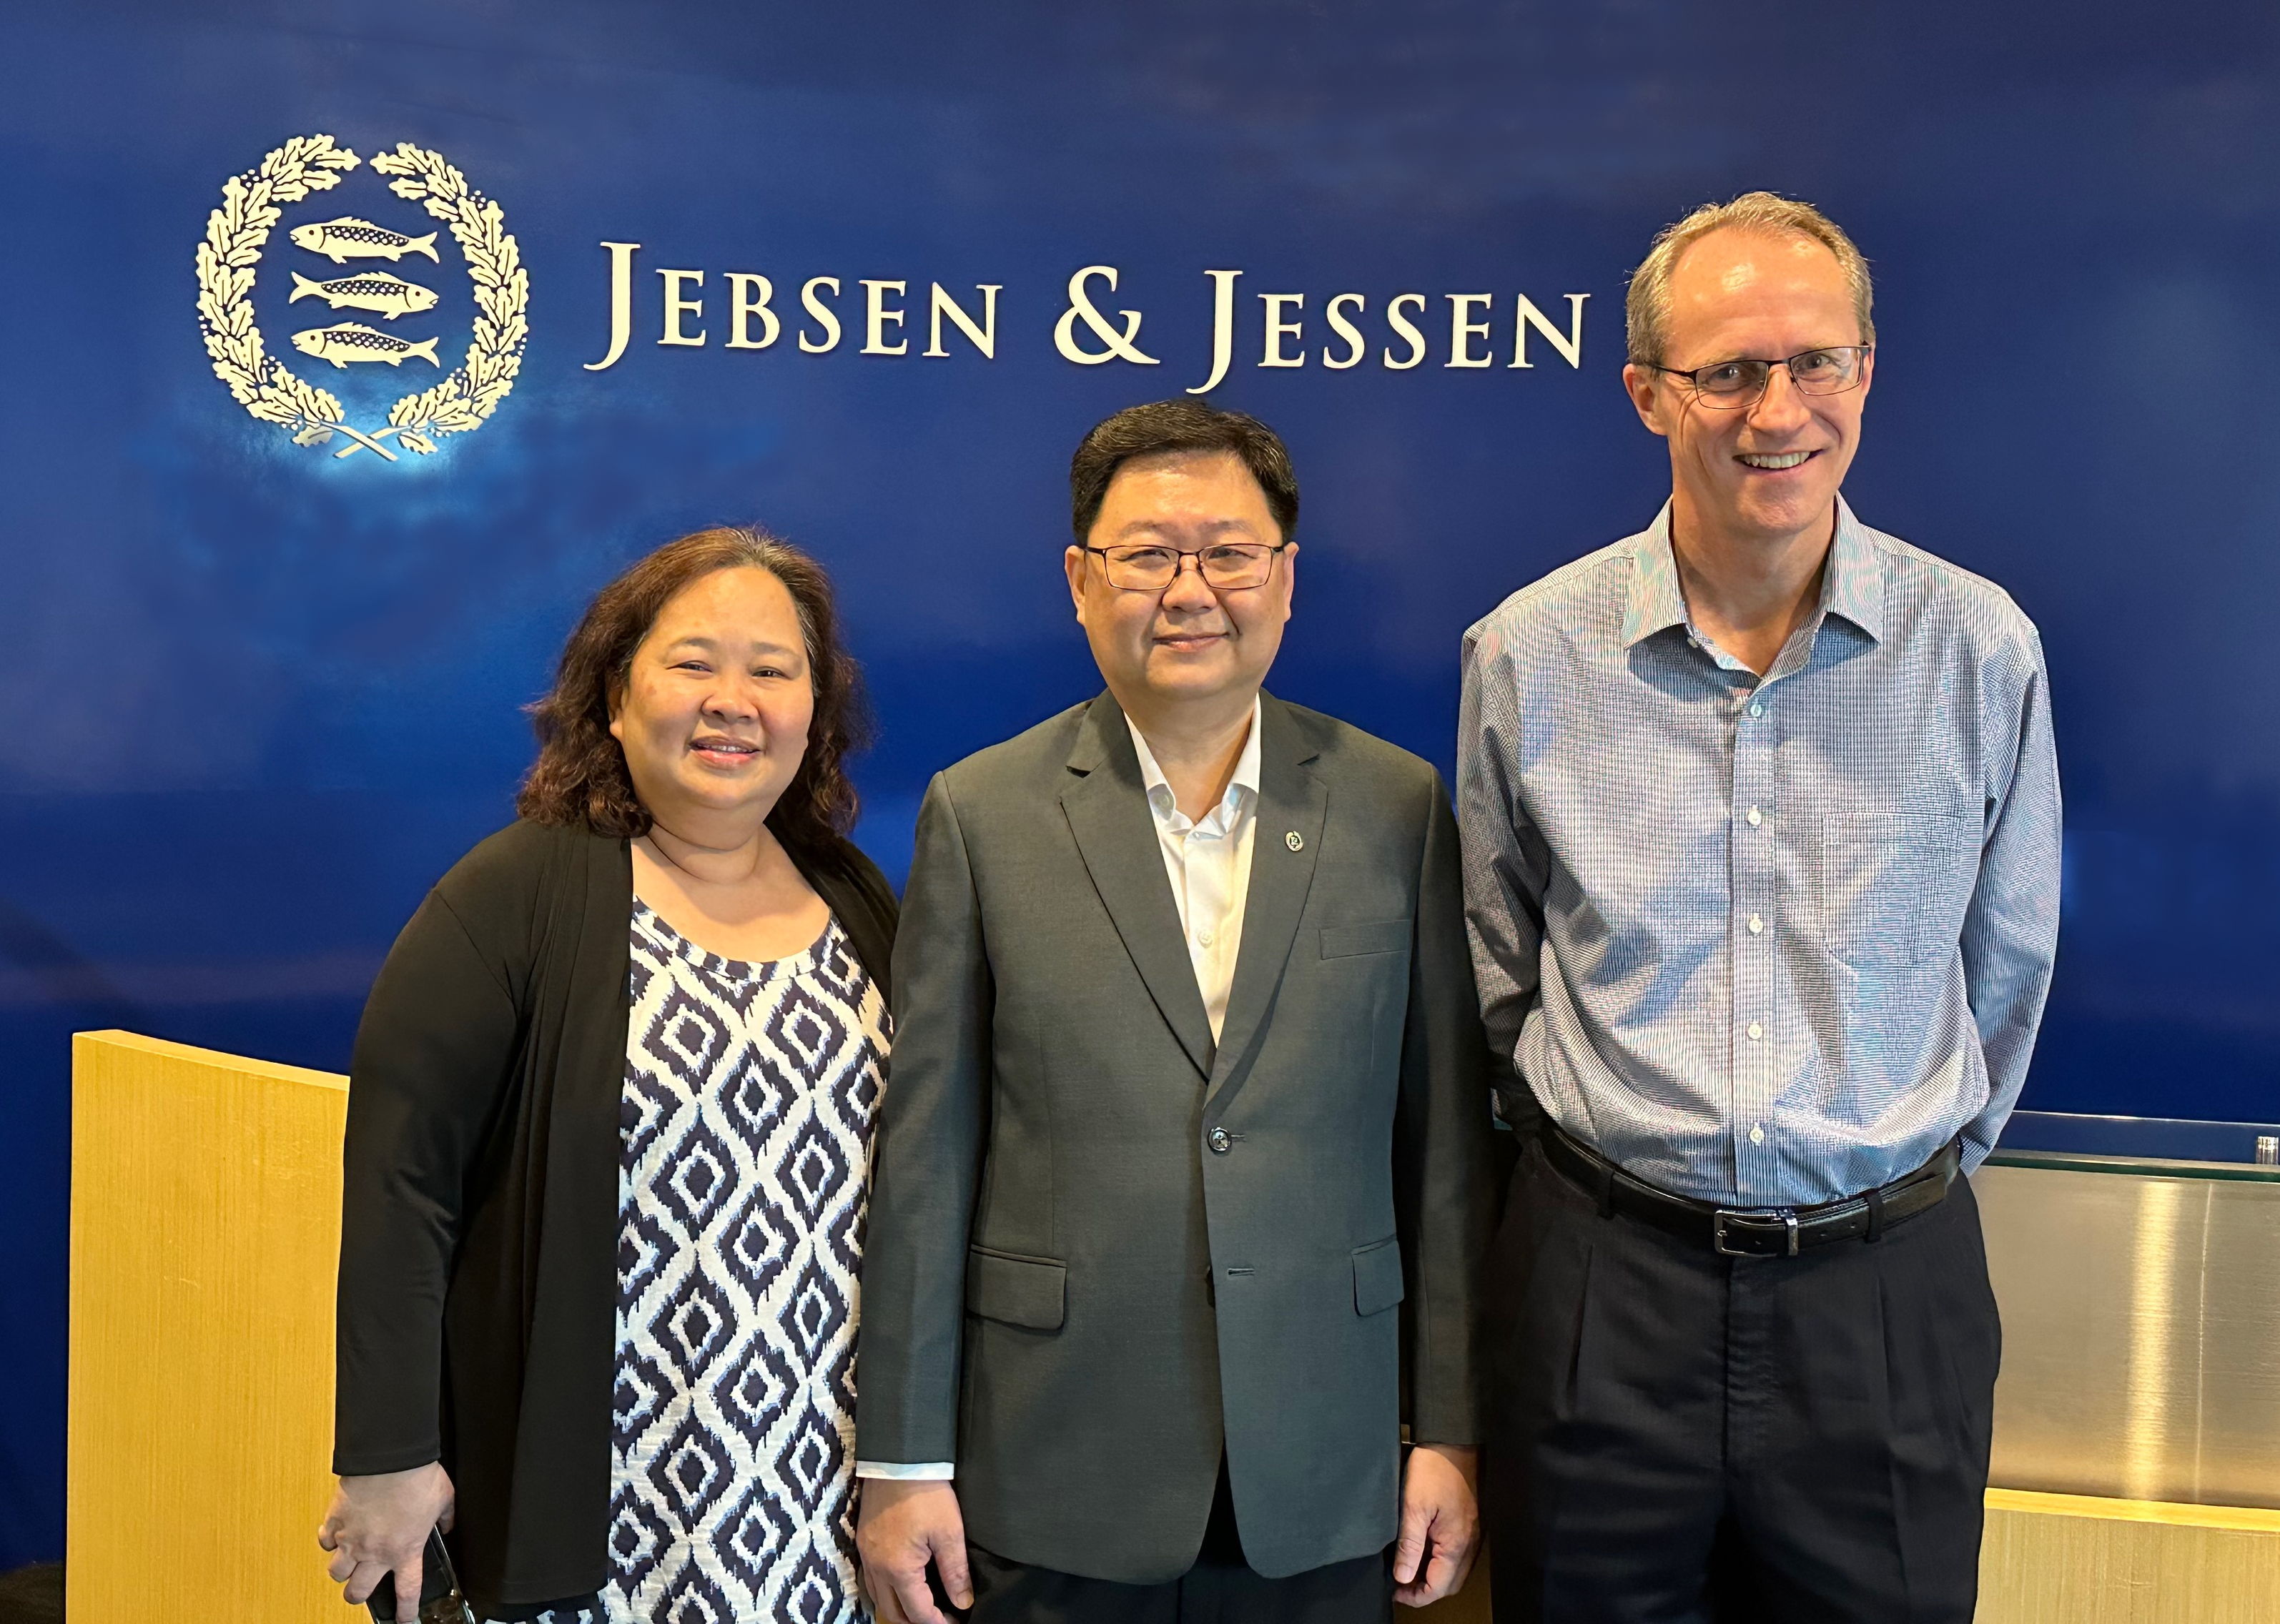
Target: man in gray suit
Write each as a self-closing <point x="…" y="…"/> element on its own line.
<point x="1181" y="1183"/>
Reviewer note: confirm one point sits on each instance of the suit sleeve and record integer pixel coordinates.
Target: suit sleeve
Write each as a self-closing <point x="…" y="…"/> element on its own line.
<point x="1442" y="1164"/>
<point x="433" y="1055"/>
<point x="926" y="1163"/>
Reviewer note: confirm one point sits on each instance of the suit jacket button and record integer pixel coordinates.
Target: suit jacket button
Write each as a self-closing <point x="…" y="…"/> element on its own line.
<point x="1221" y="1141"/>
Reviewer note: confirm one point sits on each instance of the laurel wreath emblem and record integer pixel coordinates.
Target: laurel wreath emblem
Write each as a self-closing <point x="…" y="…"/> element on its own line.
<point x="264" y="386"/>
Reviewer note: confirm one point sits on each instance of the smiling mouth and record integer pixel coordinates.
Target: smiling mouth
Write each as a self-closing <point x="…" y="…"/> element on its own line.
<point x="725" y="747"/>
<point x="1773" y="461"/>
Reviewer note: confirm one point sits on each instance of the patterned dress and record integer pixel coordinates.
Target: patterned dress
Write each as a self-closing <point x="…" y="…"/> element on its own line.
<point x="745" y="1134"/>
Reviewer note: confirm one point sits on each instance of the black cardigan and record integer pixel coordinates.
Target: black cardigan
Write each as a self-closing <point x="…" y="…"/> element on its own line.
<point x="478" y="1223"/>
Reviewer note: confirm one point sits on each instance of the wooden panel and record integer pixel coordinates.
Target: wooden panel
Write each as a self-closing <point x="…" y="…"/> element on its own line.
<point x="205" y="1231"/>
<point x="2054" y="1558"/>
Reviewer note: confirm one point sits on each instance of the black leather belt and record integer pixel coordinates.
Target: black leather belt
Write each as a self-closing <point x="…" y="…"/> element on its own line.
<point x="1757" y="1232"/>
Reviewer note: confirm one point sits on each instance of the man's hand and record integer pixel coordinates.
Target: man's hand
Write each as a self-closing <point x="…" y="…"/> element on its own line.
<point x="1439" y="1515"/>
<point x="905" y="1524"/>
<point x="378" y="1525"/>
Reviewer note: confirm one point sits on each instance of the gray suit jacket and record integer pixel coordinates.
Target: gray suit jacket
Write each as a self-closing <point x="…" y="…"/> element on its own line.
<point x="1076" y="1284"/>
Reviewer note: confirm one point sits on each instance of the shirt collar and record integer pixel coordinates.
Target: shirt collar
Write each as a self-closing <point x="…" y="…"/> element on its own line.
<point x="1245" y="777"/>
<point x="1852" y="586"/>
<point x="1654" y="602"/>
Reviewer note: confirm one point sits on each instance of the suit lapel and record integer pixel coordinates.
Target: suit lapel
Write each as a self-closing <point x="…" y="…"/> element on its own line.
<point x="1291" y="802"/>
<point x="1107" y="809"/>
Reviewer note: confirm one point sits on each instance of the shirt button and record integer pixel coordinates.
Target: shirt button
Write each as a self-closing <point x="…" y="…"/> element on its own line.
<point x="1221" y="1141"/>
<point x="1755" y="817"/>
<point x="1756" y="1135"/>
<point x="1756" y="1031"/>
<point x="1203" y="938"/>
<point x="1756" y="709"/>
<point x="1757" y="925"/>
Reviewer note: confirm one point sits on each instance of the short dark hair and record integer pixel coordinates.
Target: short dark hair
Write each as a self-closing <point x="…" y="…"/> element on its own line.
<point x="580" y="778"/>
<point x="1168" y="427"/>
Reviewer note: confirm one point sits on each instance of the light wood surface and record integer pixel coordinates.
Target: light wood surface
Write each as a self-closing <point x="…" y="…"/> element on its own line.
<point x="2239" y="1518"/>
<point x="2058" y="1559"/>
<point x="205" y="1229"/>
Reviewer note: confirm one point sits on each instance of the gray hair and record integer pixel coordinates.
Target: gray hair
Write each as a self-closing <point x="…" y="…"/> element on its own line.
<point x="1646" y="309"/>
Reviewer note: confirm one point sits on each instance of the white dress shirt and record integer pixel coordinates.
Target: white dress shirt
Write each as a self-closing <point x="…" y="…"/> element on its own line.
<point x="1208" y="862"/>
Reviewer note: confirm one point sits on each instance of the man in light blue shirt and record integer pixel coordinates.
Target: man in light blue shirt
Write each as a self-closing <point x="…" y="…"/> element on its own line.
<point x="1761" y="822"/>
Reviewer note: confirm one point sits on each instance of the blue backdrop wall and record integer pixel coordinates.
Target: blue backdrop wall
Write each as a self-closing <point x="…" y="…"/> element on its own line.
<point x="256" y="695"/>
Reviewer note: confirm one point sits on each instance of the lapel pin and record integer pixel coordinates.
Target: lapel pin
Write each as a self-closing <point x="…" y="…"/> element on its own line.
<point x="1295" y="841"/>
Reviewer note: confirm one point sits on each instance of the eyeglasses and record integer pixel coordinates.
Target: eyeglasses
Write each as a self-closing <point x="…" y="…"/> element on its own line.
<point x="1225" y="567"/>
<point x="1732" y="386"/>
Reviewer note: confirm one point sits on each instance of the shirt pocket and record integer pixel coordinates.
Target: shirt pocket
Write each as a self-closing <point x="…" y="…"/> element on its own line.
<point x="1353" y="941"/>
<point x="1894" y="885"/>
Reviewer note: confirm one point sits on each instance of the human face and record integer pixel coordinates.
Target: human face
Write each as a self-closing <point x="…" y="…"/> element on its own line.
<point x="1188" y="644"/>
<point x="1769" y="473"/>
<point x="715" y="715"/>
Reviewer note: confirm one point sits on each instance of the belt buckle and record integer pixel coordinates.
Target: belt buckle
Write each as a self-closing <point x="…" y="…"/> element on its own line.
<point x="1718" y="1221"/>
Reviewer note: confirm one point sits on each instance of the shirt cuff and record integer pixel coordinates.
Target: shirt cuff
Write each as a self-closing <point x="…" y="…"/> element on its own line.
<point x="903" y="1472"/>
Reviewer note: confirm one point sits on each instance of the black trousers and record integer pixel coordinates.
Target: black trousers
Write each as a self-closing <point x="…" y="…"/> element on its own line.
<point x="1675" y="1437"/>
<point x="1220" y="1588"/>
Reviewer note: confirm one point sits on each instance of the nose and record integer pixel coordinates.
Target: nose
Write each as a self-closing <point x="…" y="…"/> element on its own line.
<point x="734" y="697"/>
<point x="1782" y="404"/>
<point x="1188" y="590"/>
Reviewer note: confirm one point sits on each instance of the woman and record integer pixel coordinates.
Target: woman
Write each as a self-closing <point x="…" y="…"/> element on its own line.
<point x="608" y="1123"/>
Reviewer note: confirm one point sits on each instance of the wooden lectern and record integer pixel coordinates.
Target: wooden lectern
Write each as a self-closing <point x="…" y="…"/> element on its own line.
<point x="205" y="1233"/>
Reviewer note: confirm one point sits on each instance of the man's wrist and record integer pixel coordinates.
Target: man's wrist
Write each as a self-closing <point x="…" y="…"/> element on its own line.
<point x="1461" y="1457"/>
<point x="896" y="1470"/>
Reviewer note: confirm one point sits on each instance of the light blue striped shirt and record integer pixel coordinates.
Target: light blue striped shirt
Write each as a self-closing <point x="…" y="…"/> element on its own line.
<point x="1763" y="943"/>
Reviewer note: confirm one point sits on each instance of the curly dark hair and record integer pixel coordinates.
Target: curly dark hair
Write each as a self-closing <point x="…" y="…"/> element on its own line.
<point x="580" y="778"/>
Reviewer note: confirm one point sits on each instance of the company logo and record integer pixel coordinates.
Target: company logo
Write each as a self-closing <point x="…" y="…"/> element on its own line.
<point x="379" y="307"/>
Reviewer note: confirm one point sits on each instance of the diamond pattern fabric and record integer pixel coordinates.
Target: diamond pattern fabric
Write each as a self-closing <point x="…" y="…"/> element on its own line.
<point x="744" y="1133"/>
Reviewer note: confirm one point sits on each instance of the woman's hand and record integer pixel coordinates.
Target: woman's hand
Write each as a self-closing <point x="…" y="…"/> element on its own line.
<point x="378" y="1525"/>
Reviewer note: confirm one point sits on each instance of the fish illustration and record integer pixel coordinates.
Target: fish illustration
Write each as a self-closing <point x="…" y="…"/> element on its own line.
<point x="375" y="290"/>
<point x="350" y="238"/>
<point x="351" y="340"/>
